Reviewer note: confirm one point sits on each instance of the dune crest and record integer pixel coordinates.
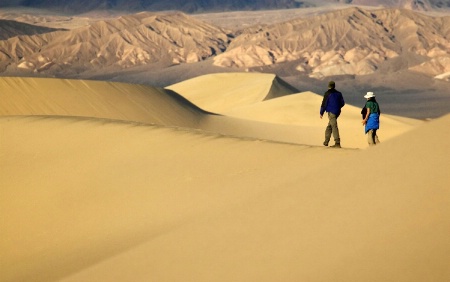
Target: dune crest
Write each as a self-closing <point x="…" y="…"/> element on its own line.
<point x="97" y="99"/>
<point x="251" y="105"/>
<point x="223" y="91"/>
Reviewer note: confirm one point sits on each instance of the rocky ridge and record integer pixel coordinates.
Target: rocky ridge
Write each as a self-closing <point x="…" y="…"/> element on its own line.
<point x="352" y="41"/>
<point x="127" y="41"/>
<point x="345" y="42"/>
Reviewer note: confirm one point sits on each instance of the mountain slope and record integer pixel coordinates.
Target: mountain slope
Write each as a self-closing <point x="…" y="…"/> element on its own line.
<point x="351" y="41"/>
<point x="133" y="40"/>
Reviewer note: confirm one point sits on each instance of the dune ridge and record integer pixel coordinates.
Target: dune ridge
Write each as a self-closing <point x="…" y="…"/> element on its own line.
<point x="229" y="90"/>
<point x="250" y="105"/>
<point x="243" y="96"/>
<point x="97" y="99"/>
<point x="246" y="105"/>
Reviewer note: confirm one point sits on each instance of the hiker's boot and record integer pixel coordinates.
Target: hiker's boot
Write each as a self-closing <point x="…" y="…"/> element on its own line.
<point x="337" y="145"/>
<point x="325" y="143"/>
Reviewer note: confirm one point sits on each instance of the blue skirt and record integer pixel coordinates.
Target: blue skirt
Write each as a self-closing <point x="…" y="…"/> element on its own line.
<point x="373" y="122"/>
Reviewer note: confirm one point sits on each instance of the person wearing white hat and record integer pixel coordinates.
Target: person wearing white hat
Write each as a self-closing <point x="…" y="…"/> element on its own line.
<point x="371" y="118"/>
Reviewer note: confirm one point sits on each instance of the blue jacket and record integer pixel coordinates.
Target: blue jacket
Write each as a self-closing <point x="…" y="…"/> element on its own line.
<point x="332" y="102"/>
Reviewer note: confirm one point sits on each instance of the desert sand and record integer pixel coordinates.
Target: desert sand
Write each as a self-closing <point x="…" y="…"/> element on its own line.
<point x="104" y="181"/>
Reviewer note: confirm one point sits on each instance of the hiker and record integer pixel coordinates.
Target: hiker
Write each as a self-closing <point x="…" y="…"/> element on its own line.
<point x="332" y="103"/>
<point x="371" y="118"/>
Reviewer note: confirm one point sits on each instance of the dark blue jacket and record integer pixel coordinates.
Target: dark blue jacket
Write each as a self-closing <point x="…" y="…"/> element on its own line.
<point x="332" y="102"/>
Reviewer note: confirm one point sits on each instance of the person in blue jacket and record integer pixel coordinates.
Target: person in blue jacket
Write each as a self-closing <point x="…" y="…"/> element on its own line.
<point x="332" y="103"/>
<point x="372" y="118"/>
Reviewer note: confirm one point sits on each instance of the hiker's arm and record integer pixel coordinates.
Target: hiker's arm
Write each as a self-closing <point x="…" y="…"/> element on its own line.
<point x="367" y="116"/>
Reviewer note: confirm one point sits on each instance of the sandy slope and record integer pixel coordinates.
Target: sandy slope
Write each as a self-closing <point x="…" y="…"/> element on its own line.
<point x="250" y="96"/>
<point x="221" y="92"/>
<point x="74" y="186"/>
<point x="302" y="110"/>
<point x="91" y="200"/>
<point x="117" y="182"/>
<point x="99" y="99"/>
<point x="253" y="105"/>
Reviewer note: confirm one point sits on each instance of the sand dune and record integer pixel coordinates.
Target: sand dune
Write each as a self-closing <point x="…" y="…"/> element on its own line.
<point x="117" y="182"/>
<point x="302" y="110"/>
<point x="90" y="200"/>
<point x="135" y="103"/>
<point x="225" y="91"/>
<point x="116" y="101"/>
<point x="126" y="102"/>
<point x="250" y="96"/>
<point x="252" y="105"/>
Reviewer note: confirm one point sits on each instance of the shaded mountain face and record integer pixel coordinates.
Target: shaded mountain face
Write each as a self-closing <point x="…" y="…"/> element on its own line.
<point x="125" y="42"/>
<point x="10" y="29"/>
<point x="346" y="42"/>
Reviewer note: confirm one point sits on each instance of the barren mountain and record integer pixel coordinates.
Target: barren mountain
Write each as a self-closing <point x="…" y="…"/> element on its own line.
<point x="405" y="4"/>
<point x="351" y="41"/>
<point x="213" y="5"/>
<point x="153" y="5"/>
<point x="138" y="39"/>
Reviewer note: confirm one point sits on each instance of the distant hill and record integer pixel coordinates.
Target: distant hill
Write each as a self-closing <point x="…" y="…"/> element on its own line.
<point x="128" y="41"/>
<point x="156" y="5"/>
<point x="351" y="41"/>
<point x="406" y="4"/>
<point x="213" y="5"/>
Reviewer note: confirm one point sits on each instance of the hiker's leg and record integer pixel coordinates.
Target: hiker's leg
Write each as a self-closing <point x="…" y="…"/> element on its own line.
<point x="376" y="137"/>
<point x="370" y="137"/>
<point x="328" y="131"/>
<point x="334" y="127"/>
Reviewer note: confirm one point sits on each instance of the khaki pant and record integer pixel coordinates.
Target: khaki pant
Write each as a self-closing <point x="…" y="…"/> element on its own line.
<point x="332" y="128"/>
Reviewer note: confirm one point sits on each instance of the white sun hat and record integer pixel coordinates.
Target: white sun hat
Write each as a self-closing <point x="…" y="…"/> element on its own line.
<point x="369" y="95"/>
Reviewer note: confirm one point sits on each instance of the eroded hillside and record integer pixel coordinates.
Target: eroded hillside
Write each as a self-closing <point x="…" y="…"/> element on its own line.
<point x="353" y="41"/>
